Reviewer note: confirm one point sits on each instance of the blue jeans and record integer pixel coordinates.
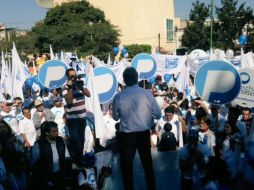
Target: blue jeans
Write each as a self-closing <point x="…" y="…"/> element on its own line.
<point x="76" y="140"/>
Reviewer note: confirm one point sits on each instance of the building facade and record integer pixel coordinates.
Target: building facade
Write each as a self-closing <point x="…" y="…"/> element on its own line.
<point x="150" y="22"/>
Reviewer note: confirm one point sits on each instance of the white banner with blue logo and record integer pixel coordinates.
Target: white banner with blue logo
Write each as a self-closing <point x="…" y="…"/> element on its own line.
<point x="246" y="95"/>
<point x="218" y="82"/>
<point x="169" y="64"/>
<point x="117" y="69"/>
<point x="247" y="60"/>
<point x="236" y="61"/>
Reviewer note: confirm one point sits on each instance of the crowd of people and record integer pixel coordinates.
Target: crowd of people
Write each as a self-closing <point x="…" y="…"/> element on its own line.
<point x="213" y="141"/>
<point x="48" y="140"/>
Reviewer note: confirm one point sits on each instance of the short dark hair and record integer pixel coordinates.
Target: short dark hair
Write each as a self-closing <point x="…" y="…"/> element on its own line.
<point x="167" y="127"/>
<point x="206" y="120"/>
<point x="130" y="76"/>
<point x="68" y="70"/>
<point x="180" y="96"/>
<point x="175" y="90"/>
<point x="170" y="109"/>
<point x="246" y="109"/>
<point x="46" y="126"/>
<point x="17" y="98"/>
<point x="25" y="108"/>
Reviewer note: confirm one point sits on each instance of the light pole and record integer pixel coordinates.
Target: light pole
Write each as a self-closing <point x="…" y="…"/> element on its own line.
<point x="212" y="20"/>
<point x="91" y="24"/>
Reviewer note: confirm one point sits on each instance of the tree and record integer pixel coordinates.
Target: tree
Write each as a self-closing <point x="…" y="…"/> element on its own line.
<point x="76" y="26"/>
<point x="196" y="33"/>
<point x="135" y="49"/>
<point x="232" y="20"/>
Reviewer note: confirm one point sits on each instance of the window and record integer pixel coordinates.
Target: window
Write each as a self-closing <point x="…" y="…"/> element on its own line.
<point x="170" y="30"/>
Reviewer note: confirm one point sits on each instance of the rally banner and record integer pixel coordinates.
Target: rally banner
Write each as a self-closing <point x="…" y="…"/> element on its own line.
<point x="169" y="64"/>
<point x="246" y="95"/>
<point x="247" y="60"/>
<point x="117" y="69"/>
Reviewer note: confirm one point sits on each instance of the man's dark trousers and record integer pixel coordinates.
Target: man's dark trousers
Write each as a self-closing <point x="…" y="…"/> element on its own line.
<point x="128" y="144"/>
<point x="76" y="141"/>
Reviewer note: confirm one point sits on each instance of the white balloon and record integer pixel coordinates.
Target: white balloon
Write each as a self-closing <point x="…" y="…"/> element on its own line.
<point x="192" y="57"/>
<point x="229" y="54"/>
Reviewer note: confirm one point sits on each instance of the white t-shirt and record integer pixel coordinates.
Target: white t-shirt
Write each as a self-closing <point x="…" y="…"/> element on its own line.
<point x="26" y="126"/>
<point x="11" y="120"/>
<point x="110" y="129"/>
<point x="176" y="128"/>
<point x="208" y="139"/>
<point x="58" y="112"/>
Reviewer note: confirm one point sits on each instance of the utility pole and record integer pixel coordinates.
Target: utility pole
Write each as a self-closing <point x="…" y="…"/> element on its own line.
<point x="212" y="20"/>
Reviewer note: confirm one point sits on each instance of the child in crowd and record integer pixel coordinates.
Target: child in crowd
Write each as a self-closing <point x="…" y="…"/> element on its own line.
<point x="168" y="140"/>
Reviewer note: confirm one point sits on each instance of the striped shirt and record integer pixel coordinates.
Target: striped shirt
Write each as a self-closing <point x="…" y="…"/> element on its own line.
<point x="77" y="109"/>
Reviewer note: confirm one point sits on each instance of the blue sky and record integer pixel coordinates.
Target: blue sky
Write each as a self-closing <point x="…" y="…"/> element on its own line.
<point x="25" y="13"/>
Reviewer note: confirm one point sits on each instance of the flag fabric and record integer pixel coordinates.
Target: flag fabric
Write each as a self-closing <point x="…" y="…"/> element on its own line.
<point x="218" y="55"/>
<point x="183" y="80"/>
<point x="4" y="78"/>
<point x="93" y="104"/>
<point x="27" y="72"/>
<point x="52" y="57"/>
<point x="18" y="74"/>
<point x="247" y="60"/>
<point x="117" y="69"/>
<point x="34" y="69"/>
<point x="109" y="60"/>
<point x="169" y="64"/>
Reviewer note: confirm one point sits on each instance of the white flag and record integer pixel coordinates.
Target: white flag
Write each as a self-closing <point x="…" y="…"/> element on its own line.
<point x="52" y="57"/>
<point x="18" y="74"/>
<point x="4" y="77"/>
<point x="109" y="60"/>
<point x="183" y="81"/>
<point x="93" y="104"/>
<point x="34" y="69"/>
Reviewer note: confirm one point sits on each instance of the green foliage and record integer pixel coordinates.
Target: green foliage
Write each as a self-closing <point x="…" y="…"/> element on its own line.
<point x="76" y="26"/>
<point x="135" y="49"/>
<point x="232" y="20"/>
<point x="5" y="45"/>
<point x="196" y="34"/>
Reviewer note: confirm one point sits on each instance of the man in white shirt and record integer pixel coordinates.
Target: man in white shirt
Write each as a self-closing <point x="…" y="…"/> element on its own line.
<point x="206" y="136"/>
<point x="27" y="128"/>
<point x="58" y="111"/>
<point x="9" y="117"/>
<point x="172" y="118"/>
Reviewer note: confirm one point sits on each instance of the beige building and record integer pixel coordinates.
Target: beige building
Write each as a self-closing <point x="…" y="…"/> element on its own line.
<point x="141" y="21"/>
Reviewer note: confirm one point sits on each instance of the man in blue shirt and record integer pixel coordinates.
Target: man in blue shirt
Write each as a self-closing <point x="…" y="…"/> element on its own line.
<point x="136" y="108"/>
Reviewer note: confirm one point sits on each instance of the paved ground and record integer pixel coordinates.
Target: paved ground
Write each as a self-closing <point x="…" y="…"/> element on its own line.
<point x="165" y="168"/>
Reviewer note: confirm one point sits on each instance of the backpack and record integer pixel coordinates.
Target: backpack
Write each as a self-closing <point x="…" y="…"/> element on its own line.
<point x="167" y="142"/>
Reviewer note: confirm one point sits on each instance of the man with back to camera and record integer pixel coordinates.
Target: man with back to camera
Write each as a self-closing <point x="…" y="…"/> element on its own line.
<point x="136" y="108"/>
<point x="74" y="93"/>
